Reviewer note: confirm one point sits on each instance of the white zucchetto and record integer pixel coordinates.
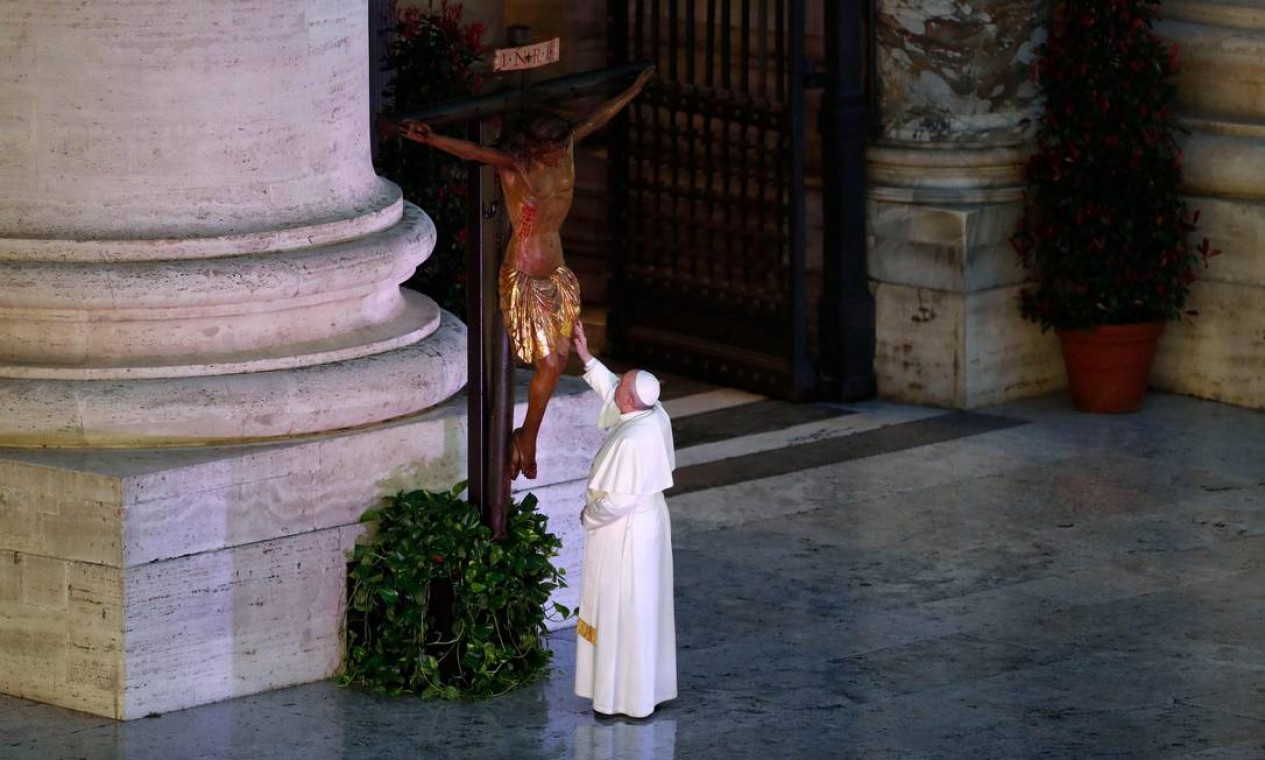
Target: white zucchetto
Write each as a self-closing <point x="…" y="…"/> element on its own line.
<point x="646" y="386"/>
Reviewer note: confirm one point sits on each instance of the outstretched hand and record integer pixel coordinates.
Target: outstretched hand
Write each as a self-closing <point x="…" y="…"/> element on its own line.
<point x="581" y="342"/>
<point x="419" y="131"/>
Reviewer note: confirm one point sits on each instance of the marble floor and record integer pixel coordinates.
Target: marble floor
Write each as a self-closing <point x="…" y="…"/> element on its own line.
<point x="872" y="581"/>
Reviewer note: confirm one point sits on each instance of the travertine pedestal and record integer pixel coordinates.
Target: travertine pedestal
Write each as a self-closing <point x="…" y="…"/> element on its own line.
<point x="143" y="581"/>
<point x="1220" y="352"/>
<point x="195" y="253"/>
<point x="955" y="110"/>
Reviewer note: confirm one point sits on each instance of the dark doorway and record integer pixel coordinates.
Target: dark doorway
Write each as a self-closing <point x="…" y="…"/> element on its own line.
<point x="710" y="271"/>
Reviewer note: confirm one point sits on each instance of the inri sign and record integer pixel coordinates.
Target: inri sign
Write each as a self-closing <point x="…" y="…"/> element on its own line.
<point x="528" y="56"/>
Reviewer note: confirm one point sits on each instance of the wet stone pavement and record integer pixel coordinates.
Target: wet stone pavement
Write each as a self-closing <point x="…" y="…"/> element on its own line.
<point x="872" y="581"/>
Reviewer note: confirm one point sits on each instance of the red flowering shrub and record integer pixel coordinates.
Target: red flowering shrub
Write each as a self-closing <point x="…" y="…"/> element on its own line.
<point x="430" y="59"/>
<point x="1103" y="227"/>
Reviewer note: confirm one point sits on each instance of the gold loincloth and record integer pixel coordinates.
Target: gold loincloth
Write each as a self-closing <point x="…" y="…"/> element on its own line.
<point x="540" y="312"/>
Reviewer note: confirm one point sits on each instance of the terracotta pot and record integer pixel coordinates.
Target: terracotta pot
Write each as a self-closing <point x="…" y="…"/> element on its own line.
<point x="1107" y="367"/>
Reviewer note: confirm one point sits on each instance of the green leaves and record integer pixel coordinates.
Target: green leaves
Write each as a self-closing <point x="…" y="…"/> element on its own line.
<point x="1104" y="228"/>
<point x="437" y="608"/>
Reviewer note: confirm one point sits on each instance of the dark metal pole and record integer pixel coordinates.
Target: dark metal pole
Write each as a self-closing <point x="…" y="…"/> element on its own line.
<point x="847" y="321"/>
<point x="489" y="383"/>
<point x="499" y="378"/>
<point x="500" y="425"/>
<point x="476" y="357"/>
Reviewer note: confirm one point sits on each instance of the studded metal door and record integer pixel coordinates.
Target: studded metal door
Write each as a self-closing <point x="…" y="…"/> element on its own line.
<point x="707" y="193"/>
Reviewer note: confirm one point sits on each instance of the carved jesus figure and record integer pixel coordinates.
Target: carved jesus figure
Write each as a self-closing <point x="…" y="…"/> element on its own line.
<point x="539" y="295"/>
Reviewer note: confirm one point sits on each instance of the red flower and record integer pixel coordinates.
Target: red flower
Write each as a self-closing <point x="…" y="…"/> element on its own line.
<point x="1104" y="226"/>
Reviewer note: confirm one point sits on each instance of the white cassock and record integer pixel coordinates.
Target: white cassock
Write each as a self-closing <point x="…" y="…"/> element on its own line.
<point x="626" y="634"/>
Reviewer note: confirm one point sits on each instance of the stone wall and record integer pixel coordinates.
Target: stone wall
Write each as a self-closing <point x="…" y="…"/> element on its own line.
<point x="956" y="113"/>
<point x="1219" y="353"/>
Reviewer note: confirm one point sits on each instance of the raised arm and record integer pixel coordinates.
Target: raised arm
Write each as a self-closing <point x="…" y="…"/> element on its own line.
<point x="607" y="110"/>
<point x="421" y="132"/>
<point x="596" y="374"/>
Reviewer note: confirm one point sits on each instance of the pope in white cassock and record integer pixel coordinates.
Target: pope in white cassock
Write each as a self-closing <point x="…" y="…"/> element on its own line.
<point x="626" y="635"/>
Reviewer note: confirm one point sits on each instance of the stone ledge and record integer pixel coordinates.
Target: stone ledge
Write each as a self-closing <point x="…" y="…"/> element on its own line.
<point x="131" y="506"/>
<point x="229" y="409"/>
<point x="944" y="247"/>
<point x="383" y="210"/>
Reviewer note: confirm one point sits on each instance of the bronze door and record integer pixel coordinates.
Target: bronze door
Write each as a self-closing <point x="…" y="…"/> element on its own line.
<point x="707" y="194"/>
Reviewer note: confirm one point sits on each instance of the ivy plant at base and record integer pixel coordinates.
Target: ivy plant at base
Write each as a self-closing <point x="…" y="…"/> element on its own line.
<point x="438" y="608"/>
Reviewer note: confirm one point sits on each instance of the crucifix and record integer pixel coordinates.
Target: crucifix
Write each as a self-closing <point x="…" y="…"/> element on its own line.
<point x="532" y="304"/>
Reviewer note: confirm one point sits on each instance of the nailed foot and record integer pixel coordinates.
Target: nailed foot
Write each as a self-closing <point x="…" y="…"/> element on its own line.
<point x="523" y="458"/>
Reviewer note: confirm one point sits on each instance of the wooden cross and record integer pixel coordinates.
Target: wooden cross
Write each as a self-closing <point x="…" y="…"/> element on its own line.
<point x="490" y="369"/>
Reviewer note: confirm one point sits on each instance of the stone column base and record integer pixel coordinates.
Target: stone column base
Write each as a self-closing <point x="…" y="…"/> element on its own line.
<point x="946" y="288"/>
<point x="142" y="581"/>
<point x="961" y="350"/>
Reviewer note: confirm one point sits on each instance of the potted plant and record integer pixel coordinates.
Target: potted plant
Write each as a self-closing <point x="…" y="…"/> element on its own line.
<point x="1104" y="229"/>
